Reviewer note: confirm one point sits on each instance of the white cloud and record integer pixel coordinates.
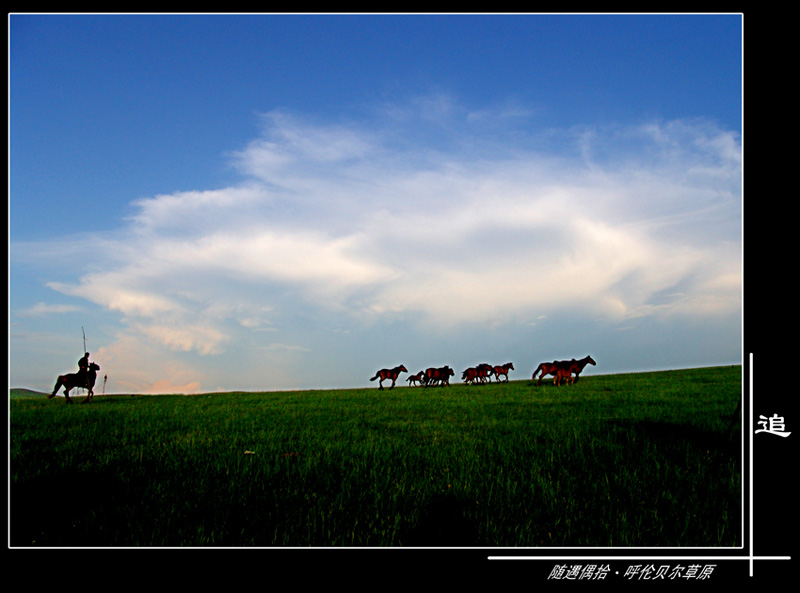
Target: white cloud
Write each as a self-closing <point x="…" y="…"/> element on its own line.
<point x="285" y="347"/>
<point x="290" y="147"/>
<point x="457" y="238"/>
<point x="44" y="309"/>
<point x="282" y="256"/>
<point x="205" y="340"/>
<point x="103" y="290"/>
<point x="191" y="213"/>
<point x="624" y="223"/>
<point x="136" y="366"/>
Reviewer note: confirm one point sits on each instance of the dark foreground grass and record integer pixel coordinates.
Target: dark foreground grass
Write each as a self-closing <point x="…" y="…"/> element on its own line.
<point x="619" y="460"/>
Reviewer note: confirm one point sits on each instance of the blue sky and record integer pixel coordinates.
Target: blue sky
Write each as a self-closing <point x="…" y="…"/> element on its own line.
<point x="266" y="202"/>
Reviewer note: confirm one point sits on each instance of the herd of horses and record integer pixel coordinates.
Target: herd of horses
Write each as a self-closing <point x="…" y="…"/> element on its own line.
<point x="561" y="370"/>
<point x="566" y="371"/>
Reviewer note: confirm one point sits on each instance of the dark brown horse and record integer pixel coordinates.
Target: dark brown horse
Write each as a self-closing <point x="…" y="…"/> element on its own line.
<point x="470" y="375"/>
<point x="551" y="368"/>
<point x="392" y="374"/>
<point x="418" y="378"/>
<point x="81" y="379"/>
<point x="503" y="370"/>
<point x="565" y="372"/>
<point x="438" y="375"/>
<point x="484" y="372"/>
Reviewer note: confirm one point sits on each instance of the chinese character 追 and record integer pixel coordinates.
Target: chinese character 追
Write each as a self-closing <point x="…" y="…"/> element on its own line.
<point x="776" y="426"/>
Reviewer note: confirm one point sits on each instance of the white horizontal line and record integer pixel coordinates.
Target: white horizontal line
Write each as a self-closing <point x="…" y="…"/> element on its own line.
<point x="551" y="558"/>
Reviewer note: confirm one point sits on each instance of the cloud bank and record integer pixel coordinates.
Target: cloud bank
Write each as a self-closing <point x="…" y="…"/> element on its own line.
<point x="434" y="216"/>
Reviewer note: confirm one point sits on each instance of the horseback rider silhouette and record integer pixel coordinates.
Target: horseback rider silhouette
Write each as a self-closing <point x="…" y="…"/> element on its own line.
<point x="83" y="369"/>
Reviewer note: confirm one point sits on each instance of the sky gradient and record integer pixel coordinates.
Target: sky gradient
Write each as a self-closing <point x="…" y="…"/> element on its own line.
<point x="264" y="202"/>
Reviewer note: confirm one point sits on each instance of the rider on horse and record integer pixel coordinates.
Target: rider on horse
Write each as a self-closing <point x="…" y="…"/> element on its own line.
<point x="83" y="369"/>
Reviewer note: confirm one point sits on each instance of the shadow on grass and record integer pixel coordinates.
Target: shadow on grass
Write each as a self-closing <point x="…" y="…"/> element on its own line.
<point x="443" y="522"/>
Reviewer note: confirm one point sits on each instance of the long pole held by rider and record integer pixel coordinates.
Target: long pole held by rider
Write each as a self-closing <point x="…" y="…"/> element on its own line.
<point x="83" y="363"/>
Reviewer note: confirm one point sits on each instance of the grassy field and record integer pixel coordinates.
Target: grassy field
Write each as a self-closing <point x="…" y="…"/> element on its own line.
<point x="641" y="459"/>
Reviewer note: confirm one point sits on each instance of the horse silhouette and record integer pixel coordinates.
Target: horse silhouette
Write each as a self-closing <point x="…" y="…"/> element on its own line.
<point x="439" y="375"/>
<point x="503" y="370"/>
<point x="389" y="374"/>
<point x="72" y="380"/>
<point x="470" y="375"/>
<point x="564" y="372"/>
<point x="418" y="378"/>
<point x="485" y="372"/>
<point x="552" y="368"/>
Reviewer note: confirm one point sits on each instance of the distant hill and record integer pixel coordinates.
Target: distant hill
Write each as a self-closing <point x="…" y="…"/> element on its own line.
<point x="19" y="393"/>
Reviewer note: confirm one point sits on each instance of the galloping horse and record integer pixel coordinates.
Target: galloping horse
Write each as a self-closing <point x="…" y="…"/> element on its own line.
<point x="469" y="375"/>
<point x="72" y="380"/>
<point x="565" y="372"/>
<point x="389" y="374"/>
<point x="441" y="375"/>
<point x="418" y="378"/>
<point x="484" y="372"/>
<point x="503" y="370"/>
<point x="446" y="373"/>
<point x="551" y="368"/>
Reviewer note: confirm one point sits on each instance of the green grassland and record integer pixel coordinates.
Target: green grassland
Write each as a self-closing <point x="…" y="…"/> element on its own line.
<point x="643" y="459"/>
